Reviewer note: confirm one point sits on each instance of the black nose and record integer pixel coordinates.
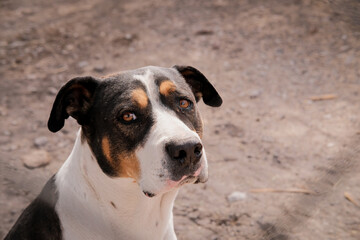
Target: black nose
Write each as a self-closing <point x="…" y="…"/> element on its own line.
<point x="186" y="153"/>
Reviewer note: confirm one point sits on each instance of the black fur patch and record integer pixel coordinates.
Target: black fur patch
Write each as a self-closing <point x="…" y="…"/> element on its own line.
<point x="112" y="99"/>
<point x="39" y="221"/>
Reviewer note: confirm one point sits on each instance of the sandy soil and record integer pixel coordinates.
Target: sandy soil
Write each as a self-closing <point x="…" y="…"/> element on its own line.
<point x="266" y="58"/>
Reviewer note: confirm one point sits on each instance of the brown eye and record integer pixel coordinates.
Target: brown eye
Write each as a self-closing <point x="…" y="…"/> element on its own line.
<point x="184" y="103"/>
<point x="129" y="116"/>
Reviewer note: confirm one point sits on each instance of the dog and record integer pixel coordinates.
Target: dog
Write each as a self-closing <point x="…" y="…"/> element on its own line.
<point x="139" y="141"/>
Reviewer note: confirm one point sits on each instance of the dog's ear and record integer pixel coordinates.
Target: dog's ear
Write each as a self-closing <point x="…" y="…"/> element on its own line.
<point x="74" y="99"/>
<point x="200" y="86"/>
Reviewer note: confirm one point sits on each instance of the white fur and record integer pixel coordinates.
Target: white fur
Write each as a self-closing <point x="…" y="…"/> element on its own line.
<point x="84" y="205"/>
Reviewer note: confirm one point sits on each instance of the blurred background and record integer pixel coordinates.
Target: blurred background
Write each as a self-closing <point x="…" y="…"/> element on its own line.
<point x="283" y="149"/>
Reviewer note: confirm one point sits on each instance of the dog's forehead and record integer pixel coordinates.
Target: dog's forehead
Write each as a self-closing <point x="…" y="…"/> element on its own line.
<point x="149" y="78"/>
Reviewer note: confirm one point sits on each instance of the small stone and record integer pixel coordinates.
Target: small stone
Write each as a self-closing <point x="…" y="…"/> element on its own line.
<point x="32" y="89"/>
<point x="255" y="93"/>
<point x="12" y="147"/>
<point x="83" y="64"/>
<point x="17" y="44"/>
<point x="129" y="36"/>
<point x="243" y="105"/>
<point x="99" y="68"/>
<point x="236" y="196"/>
<point x="62" y="144"/>
<point x="3" y="43"/>
<point x="7" y="133"/>
<point x="204" y="32"/>
<point x="3" y="112"/>
<point x="36" y="159"/>
<point x="69" y="47"/>
<point x="40" y="141"/>
<point x="31" y="76"/>
<point x="52" y="91"/>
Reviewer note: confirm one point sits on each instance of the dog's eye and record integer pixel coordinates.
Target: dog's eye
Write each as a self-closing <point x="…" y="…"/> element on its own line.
<point x="183" y="103"/>
<point x="128" y="116"/>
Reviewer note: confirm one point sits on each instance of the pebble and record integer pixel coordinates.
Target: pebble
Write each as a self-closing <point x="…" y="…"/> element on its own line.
<point x="3" y="112"/>
<point x="7" y="133"/>
<point x="31" y="76"/>
<point x="17" y="44"/>
<point x="52" y="91"/>
<point x="255" y="93"/>
<point x="10" y="148"/>
<point x="36" y="159"/>
<point x="99" y="68"/>
<point x="83" y="64"/>
<point x="69" y="47"/>
<point x="62" y="144"/>
<point x="129" y="36"/>
<point x="3" y="43"/>
<point x="236" y="196"/>
<point x="40" y="141"/>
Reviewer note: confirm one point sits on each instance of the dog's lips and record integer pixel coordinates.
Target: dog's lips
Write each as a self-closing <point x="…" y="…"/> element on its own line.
<point x="149" y="194"/>
<point x="185" y="179"/>
<point x="170" y="184"/>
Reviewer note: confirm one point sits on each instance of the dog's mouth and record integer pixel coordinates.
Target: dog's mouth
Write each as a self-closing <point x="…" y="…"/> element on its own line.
<point x="175" y="184"/>
<point x="170" y="184"/>
<point x="149" y="194"/>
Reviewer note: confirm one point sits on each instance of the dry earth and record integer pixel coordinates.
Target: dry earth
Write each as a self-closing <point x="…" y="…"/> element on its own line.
<point x="266" y="58"/>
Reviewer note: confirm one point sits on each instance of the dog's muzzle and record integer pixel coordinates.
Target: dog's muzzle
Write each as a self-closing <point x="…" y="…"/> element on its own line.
<point x="184" y="161"/>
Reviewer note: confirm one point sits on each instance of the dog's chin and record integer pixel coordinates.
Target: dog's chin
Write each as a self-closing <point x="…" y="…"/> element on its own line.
<point x="200" y="176"/>
<point x="171" y="185"/>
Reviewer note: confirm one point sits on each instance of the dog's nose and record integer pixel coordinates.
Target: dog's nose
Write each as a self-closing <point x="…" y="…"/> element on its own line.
<point x="186" y="153"/>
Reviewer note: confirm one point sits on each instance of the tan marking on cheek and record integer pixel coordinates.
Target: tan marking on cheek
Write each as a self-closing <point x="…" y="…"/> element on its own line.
<point x="166" y="88"/>
<point x="129" y="166"/>
<point x="106" y="149"/>
<point x="140" y="98"/>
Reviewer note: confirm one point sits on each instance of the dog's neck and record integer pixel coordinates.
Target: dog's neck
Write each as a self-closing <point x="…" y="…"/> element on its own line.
<point x="115" y="206"/>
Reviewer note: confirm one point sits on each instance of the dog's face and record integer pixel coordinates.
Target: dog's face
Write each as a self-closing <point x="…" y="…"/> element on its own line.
<point x="142" y="124"/>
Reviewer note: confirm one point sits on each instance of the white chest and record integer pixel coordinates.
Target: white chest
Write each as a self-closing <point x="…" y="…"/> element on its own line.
<point x="92" y="205"/>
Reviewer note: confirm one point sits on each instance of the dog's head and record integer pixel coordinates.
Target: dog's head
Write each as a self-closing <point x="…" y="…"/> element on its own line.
<point x="142" y="124"/>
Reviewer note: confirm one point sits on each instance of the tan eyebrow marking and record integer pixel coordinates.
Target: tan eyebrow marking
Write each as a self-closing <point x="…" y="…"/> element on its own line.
<point x="126" y="164"/>
<point x="167" y="87"/>
<point x="139" y="97"/>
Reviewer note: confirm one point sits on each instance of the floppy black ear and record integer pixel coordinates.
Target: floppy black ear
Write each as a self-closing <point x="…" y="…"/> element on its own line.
<point x="74" y="99"/>
<point x="200" y="86"/>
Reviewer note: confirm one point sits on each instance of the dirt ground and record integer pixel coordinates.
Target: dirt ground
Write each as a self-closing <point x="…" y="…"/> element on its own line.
<point x="272" y="61"/>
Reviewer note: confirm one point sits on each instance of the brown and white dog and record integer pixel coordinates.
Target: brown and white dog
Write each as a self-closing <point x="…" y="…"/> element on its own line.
<point x="140" y="140"/>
